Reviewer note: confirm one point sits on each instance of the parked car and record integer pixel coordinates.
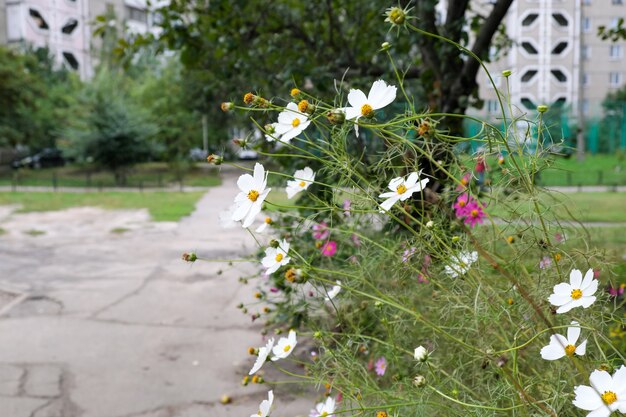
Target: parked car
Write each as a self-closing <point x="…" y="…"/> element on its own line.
<point x="47" y="158"/>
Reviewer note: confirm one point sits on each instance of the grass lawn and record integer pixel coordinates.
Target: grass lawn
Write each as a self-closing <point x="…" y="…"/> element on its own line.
<point x="152" y="174"/>
<point x="163" y="206"/>
<point x="585" y="207"/>
<point x="594" y="170"/>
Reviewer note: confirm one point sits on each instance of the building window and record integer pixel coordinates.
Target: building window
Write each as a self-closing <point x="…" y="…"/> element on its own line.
<point x="492" y="106"/>
<point x="559" y="75"/>
<point x="136" y="14"/>
<point x="560" y="19"/>
<point x="69" y="26"/>
<point x="70" y="60"/>
<point x="615" y="79"/>
<point x="586" y="24"/>
<point x="559" y="48"/>
<point x="529" y="19"/>
<point x="586" y="52"/>
<point x="614" y="22"/>
<point x="615" y="51"/>
<point x="587" y="2"/>
<point x="585" y="106"/>
<point x="528" y="76"/>
<point x="585" y="79"/>
<point x="39" y="20"/>
<point x="617" y="2"/>
<point x="530" y="48"/>
<point x="528" y="103"/>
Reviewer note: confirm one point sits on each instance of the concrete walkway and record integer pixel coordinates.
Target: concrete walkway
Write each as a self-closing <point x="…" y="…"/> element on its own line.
<point x="95" y="323"/>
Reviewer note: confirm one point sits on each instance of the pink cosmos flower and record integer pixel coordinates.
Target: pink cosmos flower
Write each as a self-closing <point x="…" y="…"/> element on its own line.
<point x="596" y="273"/>
<point x="460" y="207"/>
<point x="329" y="248"/>
<point x="422" y="279"/>
<point x="617" y="291"/>
<point x="355" y="240"/>
<point x="320" y="231"/>
<point x="407" y="254"/>
<point x="474" y="213"/>
<point x="545" y="262"/>
<point x="347" y="205"/>
<point x="381" y="366"/>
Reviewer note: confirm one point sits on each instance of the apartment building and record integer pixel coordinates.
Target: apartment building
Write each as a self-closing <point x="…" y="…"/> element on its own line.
<point x="66" y="26"/>
<point x="557" y="57"/>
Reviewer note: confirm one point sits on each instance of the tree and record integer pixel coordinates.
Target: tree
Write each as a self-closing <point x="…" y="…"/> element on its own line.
<point x="115" y="133"/>
<point x="268" y="45"/>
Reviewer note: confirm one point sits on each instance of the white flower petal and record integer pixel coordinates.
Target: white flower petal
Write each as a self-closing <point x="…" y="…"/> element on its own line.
<point x="241" y="210"/>
<point x="552" y="352"/>
<point x="619" y="381"/>
<point x="601" y="380"/>
<point x="356" y="98"/>
<point x="381" y="94"/>
<point x="387" y="204"/>
<point x="567" y="307"/>
<point x="582" y="348"/>
<point x="573" y="333"/>
<point x="575" y="278"/>
<point x="563" y="288"/>
<point x="586" y="301"/>
<point x="588" y="279"/>
<point x="559" y="299"/>
<point x="591" y="288"/>
<point x="587" y="398"/>
<point x="245" y="183"/>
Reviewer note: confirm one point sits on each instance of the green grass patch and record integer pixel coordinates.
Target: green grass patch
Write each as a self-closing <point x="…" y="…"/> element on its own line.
<point x="120" y="230"/>
<point x="584" y="207"/>
<point x="148" y="175"/>
<point x="163" y="206"/>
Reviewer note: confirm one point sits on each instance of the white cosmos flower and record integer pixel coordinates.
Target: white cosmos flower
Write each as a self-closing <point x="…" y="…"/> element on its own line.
<point x="250" y="200"/>
<point x="380" y="95"/>
<point x="461" y="264"/>
<point x="421" y="354"/>
<point x="579" y="291"/>
<point x="226" y="217"/>
<point x="302" y="179"/>
<point x="334" y="291"/>
<point x="285" y="346"/>
<point x="271" y="137"/>
<point x="264" y="352"/>
<point x="325" y="409"/>
<point x="276" y="257"/>
<point x="266" y="222"/>
<point x="264" y="408"/>
<point x="605" y="395"/>
<point x="561" y="346"/>
<point x="290" y="123"/>
<point x="401" y="189"/>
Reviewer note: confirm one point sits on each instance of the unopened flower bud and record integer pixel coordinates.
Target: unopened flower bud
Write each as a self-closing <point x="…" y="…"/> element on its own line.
<point x="317" y="335"/>
<point x="227" y="106"/>
<point x="336" y="116"/>
<point x="420" y="354"/>
<point x="249" y="98"/>
<point x="396" y="16"/>
<point x="305" y="107"/>
<point x="455" y="239"/>
<point x="252" y="351"/>
<point x="384" y="46"/>
<point x="295" y="93"/>
<point x="239" y="142"/>
<point x="430" y="224"/>
<point x="225" y="399"/>
<point x="189" y="257"/>
<point x="245" y="381"/>
<point x="419" y="381"/>
<point x="215" y="159"/>
<point x="270" y="129"/>
<point x="255" y="379"/>
<point x="274" y="243"/>
<point x="542" y="108"/>
<point x="506" y="73"/>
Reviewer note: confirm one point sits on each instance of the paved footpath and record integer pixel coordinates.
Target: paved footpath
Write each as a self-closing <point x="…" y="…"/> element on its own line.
<point x="95" y="323"/>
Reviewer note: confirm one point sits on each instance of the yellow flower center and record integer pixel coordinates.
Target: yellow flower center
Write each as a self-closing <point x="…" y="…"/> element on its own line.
<point x="290" y="275"/>
<point x="279" y="257"/>
<point x="268" y="220"/>
<point x="569" y="350"/>
<point x="367" y="110"/>
<point x="253" y="195"/>
<point x="303" y="106"/>
<point x="462" y="203"/>
<point x="301" y="183"/>
<point x="295" y="92"/>
<point x="401" y="189"/>
<point x="576" y="294"/>
<point x="288" y="347"/>
<point x="248" y="98"/>
<point x="324" y="414"/>
<point x="259" y="413"/>
<point x="397" y="16"/>
<point x="474" y="213"/>
<point x="609" y="397"/>
<point x="296" y="122"/>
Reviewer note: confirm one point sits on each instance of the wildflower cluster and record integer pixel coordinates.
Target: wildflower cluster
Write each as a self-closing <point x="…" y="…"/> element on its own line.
<point x="373" y="247"/>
